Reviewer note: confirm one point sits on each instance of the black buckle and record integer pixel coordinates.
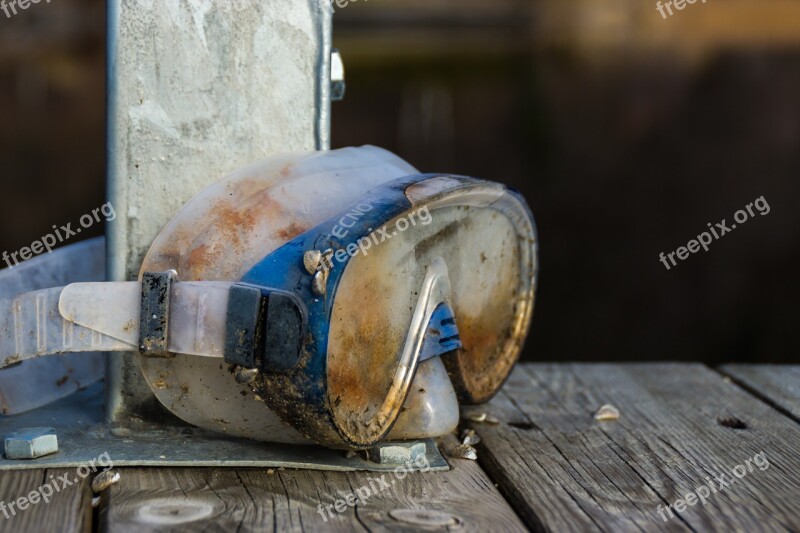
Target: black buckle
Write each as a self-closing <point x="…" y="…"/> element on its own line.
<point x="264" y="329"/>
<point x="154" y="314"/>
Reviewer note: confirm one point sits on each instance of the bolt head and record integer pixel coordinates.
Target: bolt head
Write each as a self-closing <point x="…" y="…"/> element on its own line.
<point x="30" y="443"/>
<point x="338" y="85"/>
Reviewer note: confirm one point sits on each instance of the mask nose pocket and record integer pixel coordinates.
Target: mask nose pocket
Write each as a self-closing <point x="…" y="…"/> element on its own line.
<point x="431" y="407"/>
<point x="442" y="334"/>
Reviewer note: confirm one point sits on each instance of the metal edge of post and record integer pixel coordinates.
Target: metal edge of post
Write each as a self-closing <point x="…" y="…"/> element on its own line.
<point x="115" y="263"/>
<point x="325" y="29"/>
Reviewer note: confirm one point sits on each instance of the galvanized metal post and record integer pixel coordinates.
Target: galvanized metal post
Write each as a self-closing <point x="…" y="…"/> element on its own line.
<point x="197" y="89"/>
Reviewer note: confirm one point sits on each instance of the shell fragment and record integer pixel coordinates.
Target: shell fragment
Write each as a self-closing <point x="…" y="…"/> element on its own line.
<point x="607" y="413"/>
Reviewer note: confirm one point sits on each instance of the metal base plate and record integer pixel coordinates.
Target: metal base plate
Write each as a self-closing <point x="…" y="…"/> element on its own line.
<point x="83" y="435"/>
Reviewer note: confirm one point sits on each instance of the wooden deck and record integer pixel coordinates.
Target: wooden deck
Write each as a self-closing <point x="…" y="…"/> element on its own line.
<point x="548" y="465"/>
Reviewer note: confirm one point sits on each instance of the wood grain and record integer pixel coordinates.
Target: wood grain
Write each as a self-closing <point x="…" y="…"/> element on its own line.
<point x="556" y="467"/>
<point x="295" y="500"/>
<point x="68" y="510"/>
<point x="563" y="471"/>
<point x="778" y="385"/>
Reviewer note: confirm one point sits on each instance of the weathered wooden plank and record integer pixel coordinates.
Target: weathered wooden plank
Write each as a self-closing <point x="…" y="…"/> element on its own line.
<point x="778" y="385"/>
<point x="563" y="470"/>
<point x="296" y="500"/>
<point x="67" y="509"/>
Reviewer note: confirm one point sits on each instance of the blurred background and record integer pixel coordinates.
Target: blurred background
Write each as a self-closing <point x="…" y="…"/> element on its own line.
<point x="627" y="132"/>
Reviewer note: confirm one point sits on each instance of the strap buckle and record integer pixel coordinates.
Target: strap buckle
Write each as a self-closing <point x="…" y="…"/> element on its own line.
<point x="154" y="317"/>
<point x="265" y="329"/>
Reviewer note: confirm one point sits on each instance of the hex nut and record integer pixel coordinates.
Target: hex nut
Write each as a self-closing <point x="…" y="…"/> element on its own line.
<point x="31" y="443"/>
<point x="398" y="453"/>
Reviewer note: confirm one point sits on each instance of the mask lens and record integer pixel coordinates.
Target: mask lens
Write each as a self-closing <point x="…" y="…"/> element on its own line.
<point x="388" y="278"/>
